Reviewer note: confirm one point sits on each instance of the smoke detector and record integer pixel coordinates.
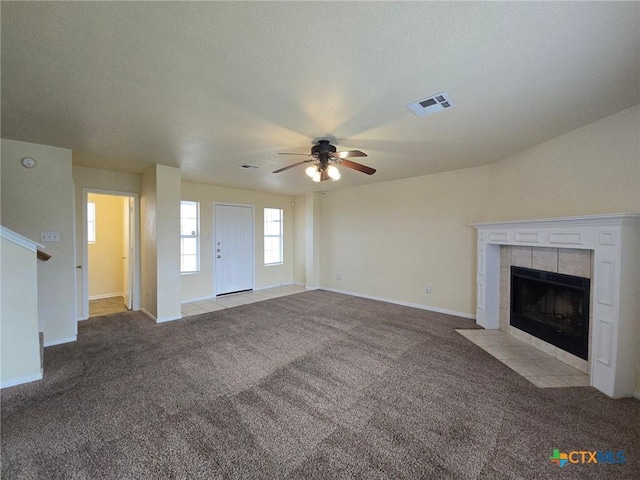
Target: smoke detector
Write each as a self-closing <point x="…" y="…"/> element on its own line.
<point x="434" y="103"/>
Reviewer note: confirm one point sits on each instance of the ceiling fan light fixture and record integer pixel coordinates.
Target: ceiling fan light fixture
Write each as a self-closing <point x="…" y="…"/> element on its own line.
<point x="311" y="170"/>
<point x="316" y="176"/>
<point x="333" y="172"/>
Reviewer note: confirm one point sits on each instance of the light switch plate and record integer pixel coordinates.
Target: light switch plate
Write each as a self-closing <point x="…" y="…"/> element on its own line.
<point x="49" y="236"/>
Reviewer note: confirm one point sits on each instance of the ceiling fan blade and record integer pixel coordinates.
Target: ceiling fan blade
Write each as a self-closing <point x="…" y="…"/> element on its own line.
<point x="291" y="166"/>
<point x="306" y="154"/>
<point x="357" y="166"/>
<point x="349" y="153"/>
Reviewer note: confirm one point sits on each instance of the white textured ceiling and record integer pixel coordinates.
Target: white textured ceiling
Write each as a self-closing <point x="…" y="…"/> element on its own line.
<point x="208" y="86"/>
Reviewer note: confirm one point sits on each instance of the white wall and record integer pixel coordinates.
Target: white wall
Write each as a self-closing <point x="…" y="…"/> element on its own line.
<point x="148" y="242"/>
<point x="595" y="169"/>
<point x="313" y="239"/>
<point x="299" y="240"/>
<point x="19" y="344"/>
<point x="105" y="256"/>
<point x="392" y="239"/>
<point x="98" y="179"/>
<point x="38" y="200"/>
<point x="168" y="242"/>
<point x="201" y="285"/>
<point x="160" y="242"/>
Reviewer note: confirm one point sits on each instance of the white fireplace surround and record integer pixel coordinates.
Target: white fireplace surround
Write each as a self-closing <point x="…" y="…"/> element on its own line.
<point x="615" y="241"/>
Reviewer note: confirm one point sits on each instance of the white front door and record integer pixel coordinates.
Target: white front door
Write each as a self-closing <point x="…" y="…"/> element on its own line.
<point x="233" y="248"/>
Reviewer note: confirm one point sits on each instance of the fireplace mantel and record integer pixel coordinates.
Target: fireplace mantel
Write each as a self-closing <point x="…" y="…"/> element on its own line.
<point x="615" y="241"/>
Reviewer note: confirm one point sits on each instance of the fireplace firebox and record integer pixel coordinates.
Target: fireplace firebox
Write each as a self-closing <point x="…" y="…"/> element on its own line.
<point x="553" y="307"/>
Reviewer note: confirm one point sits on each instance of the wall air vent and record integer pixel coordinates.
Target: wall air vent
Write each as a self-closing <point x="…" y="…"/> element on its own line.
<point x="435" y="103"/>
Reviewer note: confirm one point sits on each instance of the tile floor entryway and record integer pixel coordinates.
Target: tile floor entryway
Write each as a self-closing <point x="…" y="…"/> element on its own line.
<point x="106" y="306"/>
<point x="541" y="369"/>
<point x="237" y="299"/>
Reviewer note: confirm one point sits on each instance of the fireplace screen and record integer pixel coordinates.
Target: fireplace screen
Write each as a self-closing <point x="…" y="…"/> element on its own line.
<point x="552" y="307"/>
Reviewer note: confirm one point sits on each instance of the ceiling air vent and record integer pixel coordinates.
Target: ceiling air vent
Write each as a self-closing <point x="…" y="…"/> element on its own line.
<point x="432" y="104"/>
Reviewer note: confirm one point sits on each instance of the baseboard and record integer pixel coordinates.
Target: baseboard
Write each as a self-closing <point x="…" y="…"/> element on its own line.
<point x="148" y="314"/>
<point x="106" y="295"/>
<point x="404" y="304"/>
<point x="168" y="319"/>
<point x="160" y="320"/>
<point x="60" y="341"/>
<point x="272" y="286"/>
<point x="198" y="299"/>
<point x="636" y="395"/>
<point x="318" y="288"/>
<point x="19" y="381"/>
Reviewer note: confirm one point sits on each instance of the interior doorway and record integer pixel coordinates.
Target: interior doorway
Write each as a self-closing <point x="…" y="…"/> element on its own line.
<point x="110" y="253"/>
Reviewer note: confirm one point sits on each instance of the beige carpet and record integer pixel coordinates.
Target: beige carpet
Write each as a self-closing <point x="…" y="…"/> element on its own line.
<point x="313" y="385"/>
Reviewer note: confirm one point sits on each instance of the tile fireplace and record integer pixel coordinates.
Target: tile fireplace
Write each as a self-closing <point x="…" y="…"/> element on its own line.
<point x="613" y="241"/>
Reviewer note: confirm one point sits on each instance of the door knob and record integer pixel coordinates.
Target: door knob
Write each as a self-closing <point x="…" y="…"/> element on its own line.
<point x="219" y="256"/>
<point x="79" y="267"/>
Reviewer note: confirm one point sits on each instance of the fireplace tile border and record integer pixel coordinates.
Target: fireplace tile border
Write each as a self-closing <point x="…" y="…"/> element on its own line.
<point x="615" y="240"/>
<point x="544" y="258"/>
<point x="547" y="259"/>
<point x="551" y="350"/>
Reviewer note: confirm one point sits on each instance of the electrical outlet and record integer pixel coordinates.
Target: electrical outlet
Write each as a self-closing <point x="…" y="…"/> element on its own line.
<point x="338" y="276"/>
<point x="428" y="289"/>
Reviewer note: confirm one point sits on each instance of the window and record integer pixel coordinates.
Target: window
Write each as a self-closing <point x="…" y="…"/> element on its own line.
<point x="273" y="236"/>
<point x="189" y="237"/>
<point x="91" y="222"/>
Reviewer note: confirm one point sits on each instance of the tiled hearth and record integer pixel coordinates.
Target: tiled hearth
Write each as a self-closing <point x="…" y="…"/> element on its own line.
<point x="542" y="370"/>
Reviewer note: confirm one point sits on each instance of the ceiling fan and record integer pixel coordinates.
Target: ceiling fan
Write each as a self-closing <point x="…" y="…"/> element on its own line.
<point x="323" y="154"/>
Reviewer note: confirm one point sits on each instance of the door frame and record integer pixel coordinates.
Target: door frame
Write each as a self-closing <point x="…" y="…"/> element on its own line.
<point x="129" y="227"/>
<point x="134" y="241"/>
<point x="253" y="243"/>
